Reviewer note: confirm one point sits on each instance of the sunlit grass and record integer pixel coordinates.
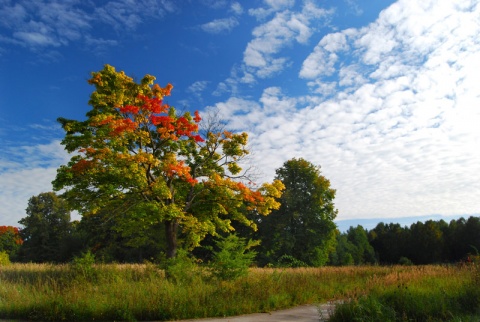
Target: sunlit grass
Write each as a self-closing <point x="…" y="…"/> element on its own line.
<point x="141" y="292"/>
<point x="431" y="294"/>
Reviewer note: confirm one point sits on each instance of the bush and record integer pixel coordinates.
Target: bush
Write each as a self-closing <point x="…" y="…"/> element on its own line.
<point x="182" y="269"/>
<point x="405" y="261"/>
<point x="83" y="265"/>
<point x="4" y="258"/>
<point x="232" y="258"/>
<point x="290" y="261"/>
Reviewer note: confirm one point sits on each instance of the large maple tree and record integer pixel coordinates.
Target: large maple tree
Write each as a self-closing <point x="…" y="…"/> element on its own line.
<point x="137" y="158"/>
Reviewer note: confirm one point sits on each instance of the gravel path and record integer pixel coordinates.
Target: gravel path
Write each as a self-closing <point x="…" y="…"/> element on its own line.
<point x="304" y="313"/>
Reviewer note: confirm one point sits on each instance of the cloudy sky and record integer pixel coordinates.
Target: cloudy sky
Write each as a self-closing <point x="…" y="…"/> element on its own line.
<point x="383" y="95"/>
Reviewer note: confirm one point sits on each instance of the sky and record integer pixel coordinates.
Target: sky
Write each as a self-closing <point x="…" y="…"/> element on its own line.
<point x="384" y="95"/>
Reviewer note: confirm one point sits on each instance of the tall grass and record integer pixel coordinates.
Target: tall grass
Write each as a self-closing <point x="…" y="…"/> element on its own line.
<point x="141" y="292"/>
<point x="440" y="295"/>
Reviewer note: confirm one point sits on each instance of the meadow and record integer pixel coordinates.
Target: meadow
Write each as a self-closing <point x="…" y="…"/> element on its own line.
<point x="142" y="292"/>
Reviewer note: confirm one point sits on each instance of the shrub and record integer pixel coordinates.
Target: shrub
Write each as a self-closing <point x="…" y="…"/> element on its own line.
<point x="83" y="265"/>
<point x="232" y="258"/>
<point x="290" y="261"/>
<point x="4" y="258"/>
<point x="182" y="269"/>
<point x="405" y="261"/>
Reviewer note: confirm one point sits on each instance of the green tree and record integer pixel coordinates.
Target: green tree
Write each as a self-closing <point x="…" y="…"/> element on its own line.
<point x="343" y="251"/>
<point x="137" y="159"/>
<point x="106" y="236"/>
<point x="390" y="242"/>
<point x="303" y="226"/>
<point x="44" y="228"/>
<point x="426" y="243"/>
<point x="232" y="256"/>
<point x="362" y="252"/>
<point x="353" y="247"/>
<point x="10" y="240"/>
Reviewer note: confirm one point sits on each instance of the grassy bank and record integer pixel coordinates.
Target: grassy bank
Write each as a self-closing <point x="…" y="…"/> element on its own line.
<point x="141" y="292"/>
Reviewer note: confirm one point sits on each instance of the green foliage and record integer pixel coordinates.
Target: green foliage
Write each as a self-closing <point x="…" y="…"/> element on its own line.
<point x="426" y="243"/>
<point x="290" y="261"/>
<point x="83" y="265"/>
<point x="405" y="261"/>
<point x="45" y="228"/>
<point x="232" y="257"/>
<point x="353" y="248"/>
<point x="303" y="226"/>
<point x="4" y="258"/>
<point x="10" y="240"/>
<point x="183" y="269"/>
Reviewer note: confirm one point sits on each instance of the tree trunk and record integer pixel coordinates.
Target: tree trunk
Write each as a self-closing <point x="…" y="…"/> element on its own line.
<point x="171" y="228"/>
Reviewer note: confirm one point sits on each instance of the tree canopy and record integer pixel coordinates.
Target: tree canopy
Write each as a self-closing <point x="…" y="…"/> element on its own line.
<point x="10" y="240"/>
<point x="137" y="159"/>
<point x="303" y="226"/>
<point x="46" y="225"/>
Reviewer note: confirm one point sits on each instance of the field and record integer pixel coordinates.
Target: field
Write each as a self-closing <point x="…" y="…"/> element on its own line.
<point x="141" y="292"/>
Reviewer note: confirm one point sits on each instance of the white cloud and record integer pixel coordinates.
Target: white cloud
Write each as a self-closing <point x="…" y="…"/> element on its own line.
<point x="26" y="171"/>
<point x="236" y="8"/>
<point x="324" y="57"/>
<point x="198" y="86"/>
<point x="272" y="6"/>
<point x="41" y="24"/>
<point x="285" y="28"/>
<point x="397" y="132"/>
<point x="220" y="25"/>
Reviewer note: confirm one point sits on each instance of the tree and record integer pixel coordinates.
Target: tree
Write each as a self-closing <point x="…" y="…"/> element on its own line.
<point x="10" y="240"/>
<point x="303" y="226"/>
<point x="363" y="252"/>
<point x="46" y="225"/>
<point x="105" y="236"/>
<point x="232" y="257"/>
<point x="137" y="159"/>
<point x="353" y="247"/>
<point x="343" y="251"/>
<point x="390" y="242"/>
<point x="426" y="243"/>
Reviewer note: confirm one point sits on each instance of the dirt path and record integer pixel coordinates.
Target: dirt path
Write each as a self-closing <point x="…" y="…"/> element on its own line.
<point x="304" y="313"/>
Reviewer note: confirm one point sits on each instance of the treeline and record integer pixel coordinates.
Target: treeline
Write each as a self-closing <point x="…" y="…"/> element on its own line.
<point x="422" y="243"/>
<point x="55" y="239"/>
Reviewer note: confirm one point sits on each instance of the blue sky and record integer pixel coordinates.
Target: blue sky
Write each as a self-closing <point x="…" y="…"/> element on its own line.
<point x="383" y="95"/>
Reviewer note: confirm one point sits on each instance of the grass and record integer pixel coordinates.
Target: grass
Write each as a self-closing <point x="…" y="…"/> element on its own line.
<point x="434" y="297"/>
<point x="141" y="292"/>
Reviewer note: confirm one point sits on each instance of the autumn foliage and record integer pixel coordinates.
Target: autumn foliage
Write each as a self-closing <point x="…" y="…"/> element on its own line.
<point x="10" y="239"/>
<point x="136" y="158"/>
<point x="11" y="232"/>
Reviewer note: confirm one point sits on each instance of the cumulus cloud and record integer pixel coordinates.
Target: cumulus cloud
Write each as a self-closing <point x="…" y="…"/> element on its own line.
<point x="26" y="171"/>
<point x="397" y="129"/>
